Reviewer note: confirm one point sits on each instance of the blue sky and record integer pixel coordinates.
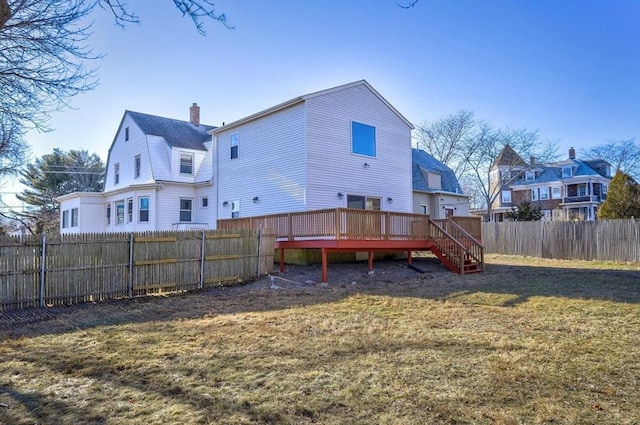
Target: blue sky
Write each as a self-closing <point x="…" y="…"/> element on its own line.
<point x="570" y="69"/>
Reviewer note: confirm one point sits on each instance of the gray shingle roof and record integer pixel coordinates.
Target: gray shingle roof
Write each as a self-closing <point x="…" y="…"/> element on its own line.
<point x="177" y="133"/>
<point x="422" y="161"/>
<point x="553" y="172"/>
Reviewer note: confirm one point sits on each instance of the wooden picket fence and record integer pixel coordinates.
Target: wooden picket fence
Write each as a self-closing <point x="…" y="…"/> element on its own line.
<point x="39" y="271"/>
<point x="604" y="240"/>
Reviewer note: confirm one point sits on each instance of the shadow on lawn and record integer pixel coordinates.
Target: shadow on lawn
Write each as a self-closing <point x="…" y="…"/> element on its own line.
<point x="392" y="278"/>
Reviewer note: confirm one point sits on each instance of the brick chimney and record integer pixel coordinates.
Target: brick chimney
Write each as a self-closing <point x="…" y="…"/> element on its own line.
<point x="194" y="114"/>
<point x="572" y="153"/>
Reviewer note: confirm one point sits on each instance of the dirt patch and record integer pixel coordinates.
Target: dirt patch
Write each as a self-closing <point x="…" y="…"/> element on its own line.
<point x="297" y="285"/>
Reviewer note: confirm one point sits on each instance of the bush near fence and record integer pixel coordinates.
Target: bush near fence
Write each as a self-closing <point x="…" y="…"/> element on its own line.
<point x="69" y="269"/>
<point x="604" y="240"/>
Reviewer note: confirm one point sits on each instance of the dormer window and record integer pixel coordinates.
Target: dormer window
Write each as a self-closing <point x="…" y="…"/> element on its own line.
<point x="567" y="171"/>
<point x="186" y="163"/>
<point x="530" y="176"/>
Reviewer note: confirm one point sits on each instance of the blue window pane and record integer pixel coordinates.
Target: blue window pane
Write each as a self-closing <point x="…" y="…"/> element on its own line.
<point x="363" y="139"/>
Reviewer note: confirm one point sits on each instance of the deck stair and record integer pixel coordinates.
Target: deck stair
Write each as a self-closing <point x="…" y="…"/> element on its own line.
<point x="455" y="248"/>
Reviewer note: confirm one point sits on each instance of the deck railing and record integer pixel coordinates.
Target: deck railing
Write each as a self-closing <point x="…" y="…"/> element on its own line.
<point x="337" y="223"/>
<point x="473" y="249"/>
<point x="346" y="223"/>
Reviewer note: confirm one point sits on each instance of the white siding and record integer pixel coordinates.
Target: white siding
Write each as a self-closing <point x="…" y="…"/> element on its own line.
<point x="123" y="152"/>
<point x="421" y="198"/>
<point x="333" y="168"/>
<point x="270" y="165"/>
<point x="90" y="214"/>
<point x="134" y="225"/>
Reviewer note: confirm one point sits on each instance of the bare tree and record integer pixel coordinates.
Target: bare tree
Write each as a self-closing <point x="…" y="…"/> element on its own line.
<point x="501" y="152"/>
<point x="623" y="155"/>
<point x="43" y="56"/>
<point x="447" y="139"/>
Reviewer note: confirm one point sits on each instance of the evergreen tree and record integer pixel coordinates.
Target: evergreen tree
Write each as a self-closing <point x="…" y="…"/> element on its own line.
<point x="623" y="198"/>
<point x="53" y="175"/>
<point x="524" y="212"/>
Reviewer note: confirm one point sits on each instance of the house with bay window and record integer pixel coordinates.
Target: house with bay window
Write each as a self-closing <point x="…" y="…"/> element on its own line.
<point x="345" y="146"/>
<point x="572" y="189"/>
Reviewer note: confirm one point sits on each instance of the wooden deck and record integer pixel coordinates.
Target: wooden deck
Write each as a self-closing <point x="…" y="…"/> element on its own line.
<point x="454" y="241"/>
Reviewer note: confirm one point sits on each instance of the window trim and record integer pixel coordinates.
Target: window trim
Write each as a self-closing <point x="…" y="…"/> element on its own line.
<point x="204" y="202"/>
<point x="504" y="199"/>
<point x="116" y="173"/>
<point x="534" y="194"/>
<point x="357" y="129"/>
<point x="567" y="171"/>
<point x="141" y="210"/>
<point x="137" y="165"/>
<point x="129" y="210"/>
<point x="234" y="144"/>
<point x="75" y="213"/>
<point x="423" y="209"/>
<point x="529" y="176"/>
<point x="191" y="165"/>
<point x="555" y="190"/>
<point x="546" y="193"/>
<point x="120" y="204"/>
<point x="108" y="213"/>
<point x="235" y="208"/>
<point x="65" y="219"/>
<point x="183" y="211"/>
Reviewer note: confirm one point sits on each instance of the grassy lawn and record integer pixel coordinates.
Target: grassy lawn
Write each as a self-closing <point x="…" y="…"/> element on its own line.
<point x="529" y="341"/>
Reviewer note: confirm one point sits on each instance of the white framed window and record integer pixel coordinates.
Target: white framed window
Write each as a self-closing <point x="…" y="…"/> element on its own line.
<point x="143" y="209"/>
<point x="556" y="193"/>
<point x="582" y="190"/>
<point x="363" y="139"/>
<point x="534" y="194"/>
<point x="186" y="163"/>
<point x="116" y="173"/>
<point x="547" y="215"/>
<point x="136" y="166"/>
<point x="129" y="210"/>
<point x="74" y="217"/>
<point x="126" y="134"/>
<point x="120" y="212"/>
<point x="235" y="139"/>
<point x="566" y="171"/>
<point x="65" y="219"/>
<point x="506" y="196"/>
<point x="235" y="209"/>
<point x="204" y="202"/>
<point x="108" y="214"/>
<point x="530" y="176"/>
<point x="364" y="202"/>
<point x="605" y="188"/>
<point x="424" y="209"/>
<point x="186" y="207"/>
<point x="544" y="193"/>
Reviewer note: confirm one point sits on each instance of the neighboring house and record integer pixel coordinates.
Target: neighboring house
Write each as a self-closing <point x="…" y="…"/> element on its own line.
<point x="436" y="190"/>
<point x="158" y="178"/>
<point x="341" y="147"/>
<point x="567" y="190"/>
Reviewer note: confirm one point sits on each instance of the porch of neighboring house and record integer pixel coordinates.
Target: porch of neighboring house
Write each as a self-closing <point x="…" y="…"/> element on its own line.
<point x="455" y="241"/>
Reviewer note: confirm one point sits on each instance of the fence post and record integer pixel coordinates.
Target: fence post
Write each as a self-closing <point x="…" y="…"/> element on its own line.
<point x="43" y="267"/>
<point x="202" y="259"/>
<point x="130" y="283"/>
<point x="259" y="244"/>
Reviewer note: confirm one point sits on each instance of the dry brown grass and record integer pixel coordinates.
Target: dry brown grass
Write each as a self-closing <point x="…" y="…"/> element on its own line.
<point x="527" y="342"/>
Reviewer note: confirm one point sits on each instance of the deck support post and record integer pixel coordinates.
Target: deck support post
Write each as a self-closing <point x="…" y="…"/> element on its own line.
<point x="324" y="265"/>
<point x="370" y="259"/>
<point x="409" y="259"/>
<point x="281" y="260"/>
